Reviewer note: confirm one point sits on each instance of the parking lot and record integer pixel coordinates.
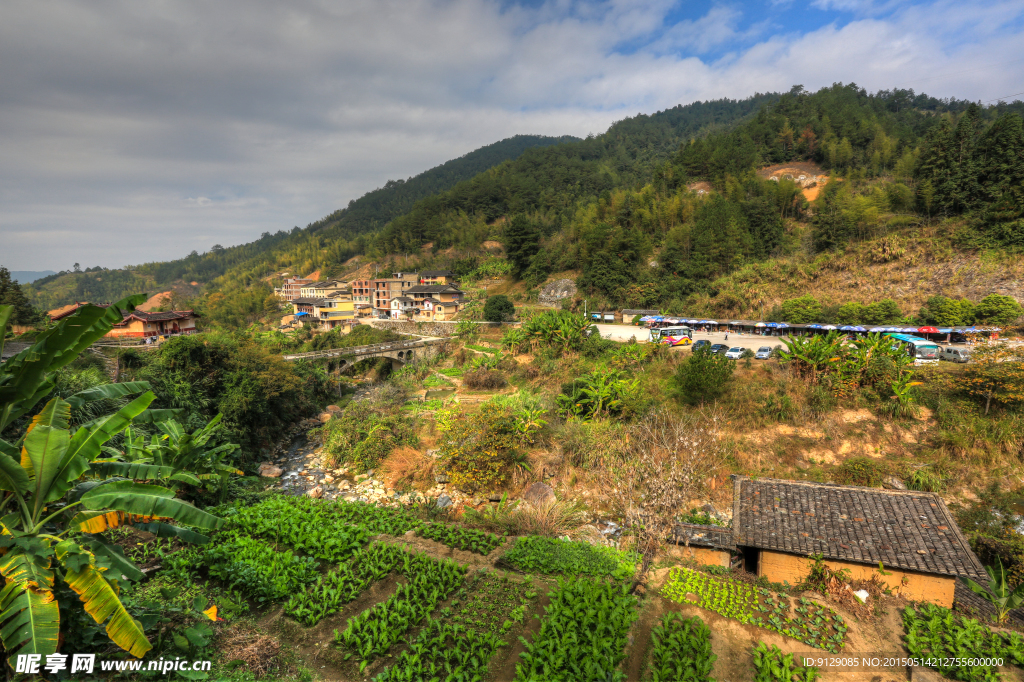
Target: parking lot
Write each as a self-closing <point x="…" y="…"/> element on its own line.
<point x="621" y="332"/>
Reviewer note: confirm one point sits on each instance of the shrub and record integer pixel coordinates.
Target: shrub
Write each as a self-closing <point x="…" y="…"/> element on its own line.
<point x="603" y="392"/>
<point x="703" y="376"/>
<point x="499" y="308"/>
<point x="367" y="431"/>
<point x="480" y="379"/>
<point x="860" y="471"/>
<point x="480" y="450"/>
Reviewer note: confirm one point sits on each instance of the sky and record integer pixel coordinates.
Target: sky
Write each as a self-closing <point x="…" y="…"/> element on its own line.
<point x="139" y="131"/>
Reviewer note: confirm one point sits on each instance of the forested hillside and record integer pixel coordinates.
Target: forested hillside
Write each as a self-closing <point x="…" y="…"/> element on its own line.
<point x="360" y="217"/>
<point x="659" y="209"/>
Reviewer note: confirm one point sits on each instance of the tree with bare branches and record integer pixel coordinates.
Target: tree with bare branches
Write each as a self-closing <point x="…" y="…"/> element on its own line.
<point x="667" y="464"/>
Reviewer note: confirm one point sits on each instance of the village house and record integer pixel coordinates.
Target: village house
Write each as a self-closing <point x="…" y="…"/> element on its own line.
<point x="402" y="307"/>
<point x="140" y="324"/>
<point x="385" y="289"/>
<point x="362" y="291"/>
<point x="326" y="289"/>
<point x="778" y="525"/>
<point x="292" y="288"/>
<point x="437" y="277"/>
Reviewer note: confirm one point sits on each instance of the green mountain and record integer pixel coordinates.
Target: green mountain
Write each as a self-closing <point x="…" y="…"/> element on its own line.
<point x="658" y="209"/>
<point x="360" y="217"/>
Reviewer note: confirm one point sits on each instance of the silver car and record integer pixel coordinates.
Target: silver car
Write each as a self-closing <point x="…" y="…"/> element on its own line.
<point x="735" y="352"/>
<point x="763" y="353"/>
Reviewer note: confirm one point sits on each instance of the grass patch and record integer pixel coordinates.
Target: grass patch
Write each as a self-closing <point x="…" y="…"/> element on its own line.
<point x="482" y="349"/>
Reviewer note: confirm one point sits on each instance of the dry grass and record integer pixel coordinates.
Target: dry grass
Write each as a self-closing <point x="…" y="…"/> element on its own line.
<point x="483" y="379"/>
<point x="408" y="468"/>
<point x="517" y="517"/>
<point x="259" y="653"/>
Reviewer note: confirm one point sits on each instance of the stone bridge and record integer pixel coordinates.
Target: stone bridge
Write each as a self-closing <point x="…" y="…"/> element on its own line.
<point x="402" y="352"/>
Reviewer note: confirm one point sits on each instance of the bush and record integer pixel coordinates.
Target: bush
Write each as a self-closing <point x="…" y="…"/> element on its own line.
<point x="860" y="471"/>
<point x="368" y="430"/>
<point x="482" y="378"/>
<point x="499" y="308"/>
<point x="703" y="376"/>
<point x="480" y="450"/>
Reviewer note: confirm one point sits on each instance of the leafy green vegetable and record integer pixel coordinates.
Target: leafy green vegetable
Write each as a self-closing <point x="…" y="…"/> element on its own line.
<point x="536" y="554"/>
<point x="461" y="538"/>
<point x="682" y="650"/>
<point x="582" y="637"/>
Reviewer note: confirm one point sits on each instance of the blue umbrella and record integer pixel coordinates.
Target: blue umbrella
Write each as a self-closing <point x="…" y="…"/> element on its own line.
<point x="693" y="322"/>
<point x="708" y="322"/>
<point x="859" y="328"/>
<point x="847" y="328"/>
<point x="772" y="324"/>
<point x="783" y="325"/>
<point x="878" y="329"/>
<point x="945" y="330"/>
<point x="814" y="326"/>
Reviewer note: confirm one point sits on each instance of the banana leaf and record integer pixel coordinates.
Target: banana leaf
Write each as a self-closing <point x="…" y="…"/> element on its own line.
<point x="118" y="561"/>
<point x="27" y="570"/>
<point x="45" y="448"/>
<point x="27" y="378"/>
<point x="148" y="500"/>
<point x="104" y="520"/>
<point x="101" y="602"/>
<point x="166" y="530"/>
<point x="156" y="416"/>
<point x="30" y="620"/>
<point x="107" y="392"/>
<point x="138" y="471"/>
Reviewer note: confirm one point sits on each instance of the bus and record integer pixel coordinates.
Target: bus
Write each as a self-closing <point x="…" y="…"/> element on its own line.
<point x="923" y="351"/>
<point x="673" y="336"/>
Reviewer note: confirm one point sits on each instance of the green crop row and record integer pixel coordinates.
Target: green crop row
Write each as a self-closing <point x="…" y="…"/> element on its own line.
<point x="810" y="622"/>
<point x="771" y="665"/>
<point x="342" y="585"/>
<point x="332" y="531"/>
<point x="256" y="568"/>
<point x="536" y="554"/>
<point x="682" y="650"/>
<point x="374" y="631"/>
<point x="461" y="538"/>
<point x="444" y="652"/>
<point x="582" y="637"/>
<point x="937" y="634"/>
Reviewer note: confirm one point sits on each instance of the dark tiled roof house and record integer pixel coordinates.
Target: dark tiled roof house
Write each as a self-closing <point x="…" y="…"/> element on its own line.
<point x="777" y="525"/>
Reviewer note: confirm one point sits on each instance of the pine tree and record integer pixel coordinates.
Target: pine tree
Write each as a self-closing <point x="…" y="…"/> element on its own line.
<point x="522" y="242"/>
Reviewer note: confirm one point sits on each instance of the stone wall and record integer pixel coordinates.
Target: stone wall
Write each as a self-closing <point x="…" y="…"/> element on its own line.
<point x="421" y="328"/>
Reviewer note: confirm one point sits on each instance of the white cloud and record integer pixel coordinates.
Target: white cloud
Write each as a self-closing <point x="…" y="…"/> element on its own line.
<point x="136" y="132"/>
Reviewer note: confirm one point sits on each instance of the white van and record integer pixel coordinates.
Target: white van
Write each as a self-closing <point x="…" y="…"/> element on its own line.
<point x="955" y="354"/>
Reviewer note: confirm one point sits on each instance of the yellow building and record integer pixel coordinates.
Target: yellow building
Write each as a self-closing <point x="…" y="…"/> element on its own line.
<point x="778" y="525"/>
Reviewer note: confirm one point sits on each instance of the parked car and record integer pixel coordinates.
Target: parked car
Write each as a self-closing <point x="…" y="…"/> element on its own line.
<point x="735" y="352"/>
<point x="719" y="348"/>
<point x="700" y="344"/>
<point x="763" y="353"/>
<point x="955" y="354"/>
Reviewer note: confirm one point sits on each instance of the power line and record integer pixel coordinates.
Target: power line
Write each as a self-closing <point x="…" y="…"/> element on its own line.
<point x="997" y="99"/>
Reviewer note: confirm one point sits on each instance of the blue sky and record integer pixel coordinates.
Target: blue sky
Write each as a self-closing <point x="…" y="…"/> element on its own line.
<point x="139" y="131"/>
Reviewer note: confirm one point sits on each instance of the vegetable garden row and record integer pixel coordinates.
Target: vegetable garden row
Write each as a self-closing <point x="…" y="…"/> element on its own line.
<point x="444" y="622"/>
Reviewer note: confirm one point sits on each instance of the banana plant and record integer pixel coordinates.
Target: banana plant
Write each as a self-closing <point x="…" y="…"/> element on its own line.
<point x="42" y="490"/>
<point x="52" y="514"/>
<point x="174" y="455"/>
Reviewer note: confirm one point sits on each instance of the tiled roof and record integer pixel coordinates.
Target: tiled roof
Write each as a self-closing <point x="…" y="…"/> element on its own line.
<point x="434" y="289"/>
<point x="309" y="301"/>
<point x="158" y="317"/>
<point x="901" y="528"/>
<point x="630" y="311"/>
<point x="703" y="536"/>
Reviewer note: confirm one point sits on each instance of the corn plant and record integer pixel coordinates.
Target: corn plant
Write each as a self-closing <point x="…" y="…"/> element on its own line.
<point x="682" y="650"/>
<point x="371" y="633"/>
<point x="461" y="538"/>
<point x="771" y="665"/>
<point x="949" y="641"/>
<point x="444" y="651"/>
<point x="582" y="636"/>
<point x="810" y="622"/>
